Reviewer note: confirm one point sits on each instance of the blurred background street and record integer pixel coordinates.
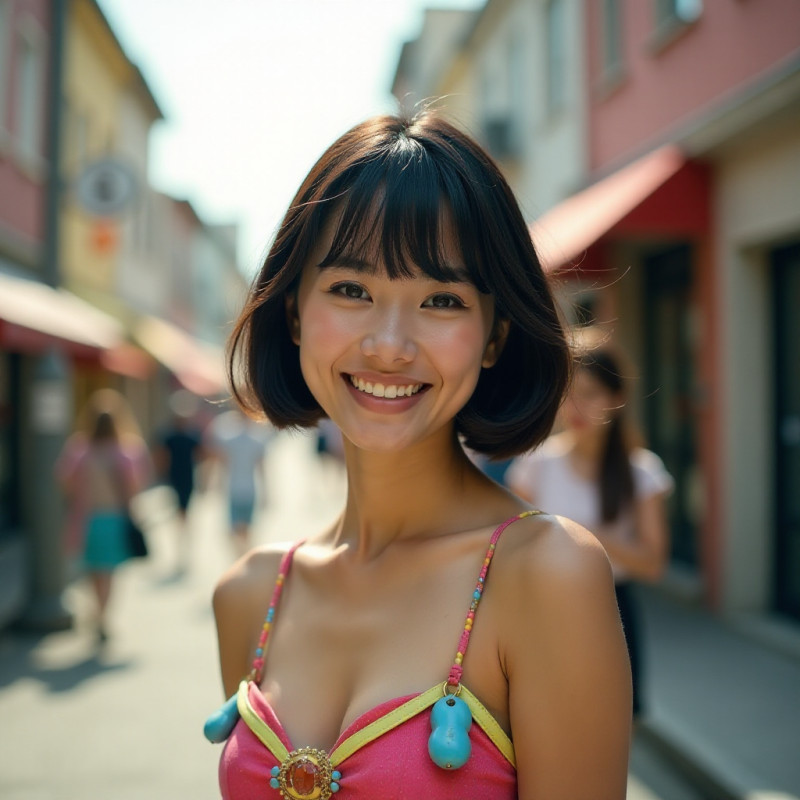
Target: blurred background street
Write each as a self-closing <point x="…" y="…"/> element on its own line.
<point x="148" y="151"/>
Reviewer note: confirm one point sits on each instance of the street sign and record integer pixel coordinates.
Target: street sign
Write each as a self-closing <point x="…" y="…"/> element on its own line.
<point x="106" y="187"/>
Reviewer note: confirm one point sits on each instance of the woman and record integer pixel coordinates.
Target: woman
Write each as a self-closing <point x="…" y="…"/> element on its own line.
<point x="403" y="300"/>
<point x="100" y="469"/>
<point x="592" y="472"/>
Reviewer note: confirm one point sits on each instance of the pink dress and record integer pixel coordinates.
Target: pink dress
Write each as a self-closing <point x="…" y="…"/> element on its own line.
<point x="382" y="755"/>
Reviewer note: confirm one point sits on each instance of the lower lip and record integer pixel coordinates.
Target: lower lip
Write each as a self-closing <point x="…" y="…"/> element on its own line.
<point x="384" y="405"/>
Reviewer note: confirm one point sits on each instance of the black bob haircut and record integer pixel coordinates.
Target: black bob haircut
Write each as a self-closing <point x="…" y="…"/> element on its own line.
<point x="395" y="183"/>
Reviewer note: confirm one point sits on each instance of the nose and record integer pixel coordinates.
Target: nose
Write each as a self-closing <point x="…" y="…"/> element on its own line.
<point x="389" y="337"/>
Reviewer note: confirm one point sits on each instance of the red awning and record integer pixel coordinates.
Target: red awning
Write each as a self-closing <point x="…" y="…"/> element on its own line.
<point x="565" y="232"/>
<point x="199" y="366"/>
<point x="129" y="360"/>
<point x="34" y="316"/>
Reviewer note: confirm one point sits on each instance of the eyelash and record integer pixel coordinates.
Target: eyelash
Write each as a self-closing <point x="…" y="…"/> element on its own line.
<point x="342" y="287"/>
<point x="453" y="300"/>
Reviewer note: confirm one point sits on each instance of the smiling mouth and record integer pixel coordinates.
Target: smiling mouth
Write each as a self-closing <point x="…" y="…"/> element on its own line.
<point x="387" y="390"/>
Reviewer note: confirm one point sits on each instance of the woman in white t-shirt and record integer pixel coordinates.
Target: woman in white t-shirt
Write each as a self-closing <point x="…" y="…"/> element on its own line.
<point x="593" y="473"/>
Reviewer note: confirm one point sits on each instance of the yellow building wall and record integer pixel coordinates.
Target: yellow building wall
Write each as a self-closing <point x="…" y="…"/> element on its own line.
<point x="94" y="80"/>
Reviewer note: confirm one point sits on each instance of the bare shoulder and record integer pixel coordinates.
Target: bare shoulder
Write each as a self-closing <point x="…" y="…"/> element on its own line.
<point x="570" y="724"/>
<point x="249" y="580"/>
<point x="543" y="553"/>
<point x="241" y="599"/>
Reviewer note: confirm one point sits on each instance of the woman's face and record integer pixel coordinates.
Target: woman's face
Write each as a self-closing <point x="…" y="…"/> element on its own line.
<point x="590" y="403"/>
<point x="390" y="361"/>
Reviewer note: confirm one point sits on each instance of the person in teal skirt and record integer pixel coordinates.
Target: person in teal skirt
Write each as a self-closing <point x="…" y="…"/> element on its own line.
<point x="101" y="468"/>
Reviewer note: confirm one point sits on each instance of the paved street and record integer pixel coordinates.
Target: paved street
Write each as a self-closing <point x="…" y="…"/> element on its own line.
<point x="125" y="723"/>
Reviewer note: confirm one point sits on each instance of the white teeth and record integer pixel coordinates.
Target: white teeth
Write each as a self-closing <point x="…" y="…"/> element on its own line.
<point x="391" y="390"/>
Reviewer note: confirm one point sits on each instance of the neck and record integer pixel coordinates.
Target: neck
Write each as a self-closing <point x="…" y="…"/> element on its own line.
<point x="587" y="445"/>
<point x="406" y="495"/>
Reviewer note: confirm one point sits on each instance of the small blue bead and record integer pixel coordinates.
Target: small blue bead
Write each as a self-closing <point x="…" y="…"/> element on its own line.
<point x="275" y="771"/>
<point x="270" y="615"/>
<point x="259" y="651"/>
<point x="476" y="594"/>
<point x="273" y="782"/>
<point x="334" y="787"/>
<point x="336" y="775"/>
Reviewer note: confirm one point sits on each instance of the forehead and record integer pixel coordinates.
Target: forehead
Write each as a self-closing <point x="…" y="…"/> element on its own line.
<point x="585" y="382"/>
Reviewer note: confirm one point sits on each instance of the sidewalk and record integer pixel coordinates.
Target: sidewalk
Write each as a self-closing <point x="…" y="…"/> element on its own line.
<point x="722" y="706"/>
<point x="125" y="722"/>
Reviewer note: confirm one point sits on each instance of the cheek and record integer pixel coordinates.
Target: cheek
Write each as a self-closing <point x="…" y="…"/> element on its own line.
<point x="322" y="338"/>
<point x="461" y="349"/>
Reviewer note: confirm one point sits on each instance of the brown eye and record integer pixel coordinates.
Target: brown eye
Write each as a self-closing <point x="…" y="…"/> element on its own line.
<point x="443" y="301"/>
<point x="353" y="291"/>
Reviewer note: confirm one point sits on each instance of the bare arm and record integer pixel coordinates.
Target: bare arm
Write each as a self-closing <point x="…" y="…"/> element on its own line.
<point x="645" y="556"/>
<point x="568" y="671"/>
<point x="240" y="602"/>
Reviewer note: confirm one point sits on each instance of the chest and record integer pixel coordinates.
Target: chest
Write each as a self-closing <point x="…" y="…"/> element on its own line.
<point x="339" y="649"/>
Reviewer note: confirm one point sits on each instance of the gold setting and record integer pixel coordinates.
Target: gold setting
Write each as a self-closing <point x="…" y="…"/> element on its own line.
<point x="323" y="772"/>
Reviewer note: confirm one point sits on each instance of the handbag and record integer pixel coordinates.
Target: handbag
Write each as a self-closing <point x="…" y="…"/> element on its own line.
<point x="134" y="536"/>
<point x="137" y="544"/>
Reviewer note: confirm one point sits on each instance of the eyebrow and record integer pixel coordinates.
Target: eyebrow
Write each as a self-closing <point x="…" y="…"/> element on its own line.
<point x="459" y="274"/>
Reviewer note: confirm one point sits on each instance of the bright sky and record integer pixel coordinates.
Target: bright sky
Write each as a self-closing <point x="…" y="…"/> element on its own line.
<point x="254" y="90"/>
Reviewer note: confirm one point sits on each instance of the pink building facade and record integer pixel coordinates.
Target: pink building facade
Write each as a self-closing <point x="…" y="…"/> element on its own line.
<point x="24" y="34"/>
<point x="693" y="141"/>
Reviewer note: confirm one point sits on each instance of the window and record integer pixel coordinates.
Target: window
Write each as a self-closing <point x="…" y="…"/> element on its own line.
<point x="672" y="12"/>
<point x="5" y="61"/>
<point x="30" y="93"/>
<point x="556" y="30"/>
<point x="611" y="46"/>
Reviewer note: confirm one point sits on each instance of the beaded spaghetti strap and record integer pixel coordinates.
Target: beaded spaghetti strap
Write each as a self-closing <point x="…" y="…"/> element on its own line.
<point x="220" y="724"/>
<point x="257" y="672"/>
<point x="449" y="744"/>
<point x="454" y="679"/>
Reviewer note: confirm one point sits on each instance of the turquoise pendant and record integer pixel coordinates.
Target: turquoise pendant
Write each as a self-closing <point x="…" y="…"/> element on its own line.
<point x="219" y="725"/>
<point x="448" y="745"/>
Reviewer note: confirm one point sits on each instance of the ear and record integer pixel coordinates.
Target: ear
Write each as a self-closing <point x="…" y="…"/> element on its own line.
<point x="292" y="317"/>
<point x="496" y="343"/>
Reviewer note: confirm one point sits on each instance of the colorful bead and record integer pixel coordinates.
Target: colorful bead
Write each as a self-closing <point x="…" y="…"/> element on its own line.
<point x="448" y="745"/>
<point x="263" y="639"/>
<point x="455" y="672"/>
<point x="220" y="724"/>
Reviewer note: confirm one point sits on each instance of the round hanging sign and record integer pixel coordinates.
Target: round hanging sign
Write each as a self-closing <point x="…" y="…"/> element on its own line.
<point x="106" y="187"/>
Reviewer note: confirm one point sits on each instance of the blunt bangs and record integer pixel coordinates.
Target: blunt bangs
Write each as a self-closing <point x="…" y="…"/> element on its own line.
<point x="396" y="208"/>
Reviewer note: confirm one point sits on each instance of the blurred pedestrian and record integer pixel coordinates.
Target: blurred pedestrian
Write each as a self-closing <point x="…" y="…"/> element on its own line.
<point x="239" y="445"/>
<point x="103" y="465"/>
<point x="594" y="473"/>
<point x="177" y="453"/>
<point x="404" y="301"/>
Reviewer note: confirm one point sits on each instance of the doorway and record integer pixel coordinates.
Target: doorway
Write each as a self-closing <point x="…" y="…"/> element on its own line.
<point x="786" y="267"/>
<point x="669" y="387"/>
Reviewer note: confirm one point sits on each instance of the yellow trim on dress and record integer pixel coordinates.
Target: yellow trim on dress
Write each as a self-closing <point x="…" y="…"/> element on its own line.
<point x="491" y="727"/>
<point x="380" y="726"/>
<point x="384" y="724"/>
<point x="262" y="731"/>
